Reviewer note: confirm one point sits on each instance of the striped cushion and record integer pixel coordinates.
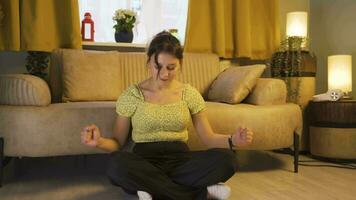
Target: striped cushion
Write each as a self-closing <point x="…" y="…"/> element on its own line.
<point x="22" y="89"/>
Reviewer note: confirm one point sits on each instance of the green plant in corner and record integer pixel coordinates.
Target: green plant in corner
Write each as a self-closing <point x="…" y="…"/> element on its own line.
<point x="287" y="62"/>
<point x="37" y="63"/>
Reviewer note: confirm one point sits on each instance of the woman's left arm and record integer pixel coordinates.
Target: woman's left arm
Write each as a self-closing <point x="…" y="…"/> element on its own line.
<point x="241" y="138"/>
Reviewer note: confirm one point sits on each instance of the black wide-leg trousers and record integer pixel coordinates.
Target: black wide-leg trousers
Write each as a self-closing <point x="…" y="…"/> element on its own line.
<point x="169" y="171"/>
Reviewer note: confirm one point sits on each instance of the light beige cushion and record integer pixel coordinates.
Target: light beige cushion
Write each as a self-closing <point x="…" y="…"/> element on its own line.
<point x="199" y="70"/>
<point x="272" y="125"/>
<point x="234" y="84"/>
<point x="268" y="91"/>
<point x="60" y="124"/>
<point x="23" y="90"/>
<point x="91" y="76"/>
<point x="53" y="130"/>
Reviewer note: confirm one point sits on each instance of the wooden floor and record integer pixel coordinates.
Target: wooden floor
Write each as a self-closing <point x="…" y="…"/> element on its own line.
<point x="269" y="176"/>
<point x="262" y="175"/>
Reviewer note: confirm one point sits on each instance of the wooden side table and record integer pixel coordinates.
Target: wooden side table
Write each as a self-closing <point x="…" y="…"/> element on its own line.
<point x="333" y="129"/>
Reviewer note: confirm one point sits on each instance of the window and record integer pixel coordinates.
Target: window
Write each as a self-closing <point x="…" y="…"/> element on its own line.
<point x="153" y="16"/>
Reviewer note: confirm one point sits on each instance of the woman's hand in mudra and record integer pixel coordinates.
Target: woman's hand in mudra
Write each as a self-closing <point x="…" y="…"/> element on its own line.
<point x="91" y="135"/>
<point x="243" y="137"/>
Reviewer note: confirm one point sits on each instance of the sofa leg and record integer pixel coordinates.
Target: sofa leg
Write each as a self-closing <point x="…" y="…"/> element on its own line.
<point x="3" y="160"/>
<point x="296" y="151"/>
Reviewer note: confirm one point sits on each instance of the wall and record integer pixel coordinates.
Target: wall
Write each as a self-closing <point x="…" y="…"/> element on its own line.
<point x="333" y="31"/>
<point x="12" y="62"/>
<point x="286" y="6"/>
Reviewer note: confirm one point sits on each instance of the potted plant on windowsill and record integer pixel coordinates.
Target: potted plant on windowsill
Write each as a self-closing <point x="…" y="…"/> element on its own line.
<point x="125" y="21"/>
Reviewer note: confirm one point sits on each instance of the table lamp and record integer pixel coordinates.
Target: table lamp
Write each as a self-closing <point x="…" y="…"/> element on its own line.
<point x="297" y="29"/>
<point x="340" y="73"/>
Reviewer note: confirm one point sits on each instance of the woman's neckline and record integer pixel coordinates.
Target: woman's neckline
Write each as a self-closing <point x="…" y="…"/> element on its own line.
<point x="156" y="104"/>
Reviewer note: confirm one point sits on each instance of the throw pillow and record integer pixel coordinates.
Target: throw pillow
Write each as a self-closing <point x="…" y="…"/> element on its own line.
<point x="234" y="83"/>
<point x="91" y="76"/>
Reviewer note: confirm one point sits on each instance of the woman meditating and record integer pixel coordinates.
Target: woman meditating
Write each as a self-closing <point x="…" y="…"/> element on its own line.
<point x="159" y="109"/>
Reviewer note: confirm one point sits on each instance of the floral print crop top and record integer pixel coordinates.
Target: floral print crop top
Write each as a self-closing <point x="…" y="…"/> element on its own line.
<point x="153" y="122"/>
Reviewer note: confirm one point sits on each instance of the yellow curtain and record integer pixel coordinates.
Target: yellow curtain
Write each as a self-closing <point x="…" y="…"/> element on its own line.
<point x="39" y="25"/>
<point x="233" y="28"/>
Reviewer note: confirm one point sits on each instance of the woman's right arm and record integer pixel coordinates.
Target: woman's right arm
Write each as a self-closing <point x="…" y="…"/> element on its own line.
<point x="91" y="135"/>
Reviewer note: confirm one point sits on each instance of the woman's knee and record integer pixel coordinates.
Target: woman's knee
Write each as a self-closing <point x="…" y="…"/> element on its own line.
<point x="225" y="158"/>
<point x="118" y="166"/>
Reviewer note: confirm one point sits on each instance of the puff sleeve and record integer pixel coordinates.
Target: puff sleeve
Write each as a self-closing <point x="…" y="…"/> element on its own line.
<point x="127" y="102"/>
<point x="194" y="100"/>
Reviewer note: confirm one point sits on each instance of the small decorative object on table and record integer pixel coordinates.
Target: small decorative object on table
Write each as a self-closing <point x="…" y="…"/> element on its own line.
<point x="125" y="21"/>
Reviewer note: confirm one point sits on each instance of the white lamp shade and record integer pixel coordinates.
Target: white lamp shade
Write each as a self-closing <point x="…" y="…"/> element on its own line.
<point x="340" y="72"/>
<point x="297" y="24"/>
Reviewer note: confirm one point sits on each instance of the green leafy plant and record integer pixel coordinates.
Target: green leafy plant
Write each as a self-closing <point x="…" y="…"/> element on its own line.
<point x="287" y="62"/>
<point x="37" y="63"/>
<point x="125" y="20"/>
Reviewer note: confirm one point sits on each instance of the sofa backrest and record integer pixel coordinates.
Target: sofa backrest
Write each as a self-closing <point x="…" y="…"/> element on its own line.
<point x="199" y="70"/>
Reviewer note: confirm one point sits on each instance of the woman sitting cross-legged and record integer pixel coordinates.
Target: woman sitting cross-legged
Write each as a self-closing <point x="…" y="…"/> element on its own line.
<point x="159" y="110"/>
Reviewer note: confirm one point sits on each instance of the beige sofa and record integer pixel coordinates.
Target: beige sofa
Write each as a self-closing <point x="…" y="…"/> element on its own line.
<point x="35" y="122"/>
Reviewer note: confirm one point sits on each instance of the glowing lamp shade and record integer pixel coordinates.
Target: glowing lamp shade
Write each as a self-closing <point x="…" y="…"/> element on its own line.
<point x="297" y="24"/>
<point x="340" y="72"/>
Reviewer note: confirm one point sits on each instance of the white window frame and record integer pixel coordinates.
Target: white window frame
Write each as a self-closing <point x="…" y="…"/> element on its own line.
<point x="148" y="23"/>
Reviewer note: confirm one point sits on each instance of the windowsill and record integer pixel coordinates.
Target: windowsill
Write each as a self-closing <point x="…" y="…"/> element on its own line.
<point x="110" y="46"/>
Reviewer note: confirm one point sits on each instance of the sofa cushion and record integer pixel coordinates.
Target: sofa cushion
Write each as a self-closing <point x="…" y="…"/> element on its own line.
<point x="272" y="125"/>
<point x="234" y="84"/>
<point x="91" y="76"/>
<point x="268" y="91"/>
<point x="60" y="124"/>
<point x="53" y="130"/>
<point x="23" y="90"/>
<point x="199" y="70"/>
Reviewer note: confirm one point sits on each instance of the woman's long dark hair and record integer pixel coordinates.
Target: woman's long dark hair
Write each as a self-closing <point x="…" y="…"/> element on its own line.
<point x="164" y="42"/>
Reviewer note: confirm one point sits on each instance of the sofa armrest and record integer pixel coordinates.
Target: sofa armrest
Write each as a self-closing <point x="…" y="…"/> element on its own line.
<point x="268" y="91"/>
<point x="23" y="90"/>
